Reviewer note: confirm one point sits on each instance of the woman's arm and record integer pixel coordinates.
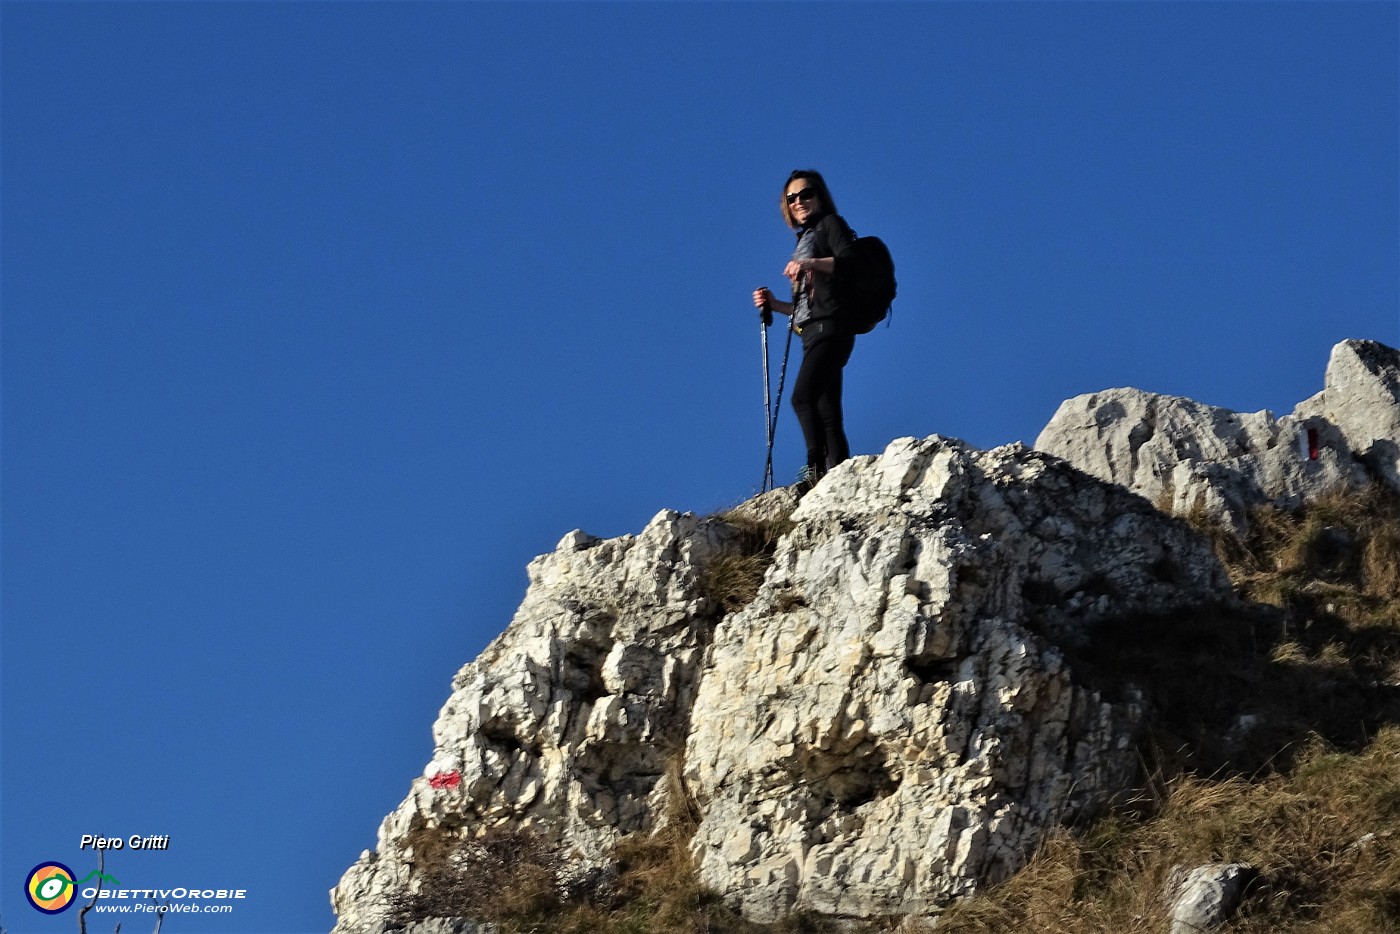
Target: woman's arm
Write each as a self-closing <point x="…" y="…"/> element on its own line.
<point x="825" y="265"/>
<point x="834" y="239"/>
<point x="764" y="300"/>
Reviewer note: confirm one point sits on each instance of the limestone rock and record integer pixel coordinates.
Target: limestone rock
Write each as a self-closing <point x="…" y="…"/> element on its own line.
<point x="1184" y="456"/>
<point x="889" y="724"/>
<point x="1204" y="898"/>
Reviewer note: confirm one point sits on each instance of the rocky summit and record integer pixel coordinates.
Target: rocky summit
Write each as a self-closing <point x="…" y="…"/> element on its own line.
<point x="889" y="716"/>
<point x="1186" y="456"/>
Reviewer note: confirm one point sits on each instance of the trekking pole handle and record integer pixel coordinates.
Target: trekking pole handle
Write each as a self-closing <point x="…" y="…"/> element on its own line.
<point x="761" y="299"/>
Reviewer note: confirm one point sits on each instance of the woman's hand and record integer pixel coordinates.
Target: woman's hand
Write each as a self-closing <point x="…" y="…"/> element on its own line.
<point x="767" y="303"/>
<point x="826" y="265"/>
<point x="763" y="300"/>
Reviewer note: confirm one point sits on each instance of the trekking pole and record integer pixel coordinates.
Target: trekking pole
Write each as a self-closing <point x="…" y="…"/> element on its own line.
<point x="767" y="408"/>
<point x="778" y="405"/>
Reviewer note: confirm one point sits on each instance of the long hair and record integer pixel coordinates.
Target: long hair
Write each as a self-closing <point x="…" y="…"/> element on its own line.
<point x="828" y="206"/>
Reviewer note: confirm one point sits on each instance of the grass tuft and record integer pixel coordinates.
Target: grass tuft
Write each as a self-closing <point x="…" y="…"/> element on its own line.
<point x="731" y="580"/>
<point x="502" y="875"/>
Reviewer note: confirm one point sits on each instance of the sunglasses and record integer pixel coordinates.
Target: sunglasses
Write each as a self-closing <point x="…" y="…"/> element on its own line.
<point x="806" y="194"/>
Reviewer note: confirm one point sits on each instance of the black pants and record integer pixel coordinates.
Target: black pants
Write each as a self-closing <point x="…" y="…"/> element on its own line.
<point x="816" y="398"/>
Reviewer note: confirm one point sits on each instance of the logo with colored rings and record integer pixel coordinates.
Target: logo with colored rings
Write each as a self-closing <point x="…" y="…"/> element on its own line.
<point x="50" y="887"/>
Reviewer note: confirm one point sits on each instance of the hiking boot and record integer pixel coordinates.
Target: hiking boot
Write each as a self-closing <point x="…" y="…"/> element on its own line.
<point x="807" y="478"/>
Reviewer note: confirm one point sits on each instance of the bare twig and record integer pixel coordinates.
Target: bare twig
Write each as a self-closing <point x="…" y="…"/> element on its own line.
<point x="82" y="913"/>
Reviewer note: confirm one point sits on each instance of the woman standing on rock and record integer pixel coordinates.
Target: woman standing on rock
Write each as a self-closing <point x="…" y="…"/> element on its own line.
<point x="826" y="345"/>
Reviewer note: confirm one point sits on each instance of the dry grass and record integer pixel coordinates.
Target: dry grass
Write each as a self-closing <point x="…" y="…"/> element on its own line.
<point x="732" y="579"/>
<point x="501" y="876"/>
<point x="1350" y="540"/>
<point x="1323" y="839"/>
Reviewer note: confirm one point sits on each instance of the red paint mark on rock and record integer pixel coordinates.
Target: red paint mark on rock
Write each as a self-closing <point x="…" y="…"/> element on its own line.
<point x="446" y="779"/>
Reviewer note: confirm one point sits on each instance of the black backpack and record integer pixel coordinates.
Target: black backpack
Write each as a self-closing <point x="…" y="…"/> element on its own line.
<point x="864" y="284"/>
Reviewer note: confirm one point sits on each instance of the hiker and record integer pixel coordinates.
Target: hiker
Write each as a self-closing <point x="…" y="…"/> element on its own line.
<point x="813" y="314"/>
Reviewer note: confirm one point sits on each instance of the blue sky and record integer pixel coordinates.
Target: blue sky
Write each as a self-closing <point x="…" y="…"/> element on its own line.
<point x="321" y="320"/>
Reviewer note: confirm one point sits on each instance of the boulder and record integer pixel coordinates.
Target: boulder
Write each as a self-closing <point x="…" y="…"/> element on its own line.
<point x="449" y="926"/>
<point x="1204" y="898"/>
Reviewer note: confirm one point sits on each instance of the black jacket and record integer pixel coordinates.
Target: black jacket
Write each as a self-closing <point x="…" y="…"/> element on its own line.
<point x="834" y="237"/>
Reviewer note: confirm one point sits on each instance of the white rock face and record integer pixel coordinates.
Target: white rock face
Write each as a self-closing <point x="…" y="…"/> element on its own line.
<point x="565" y="722"/>
<point x="891" y="723"/>
<point x="1183" y="455"/>
<point x="886" y="727"/>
